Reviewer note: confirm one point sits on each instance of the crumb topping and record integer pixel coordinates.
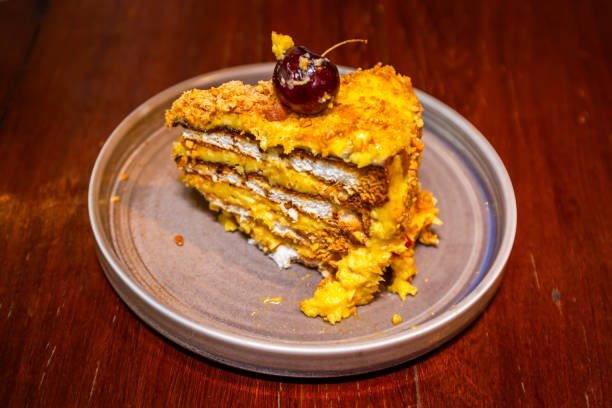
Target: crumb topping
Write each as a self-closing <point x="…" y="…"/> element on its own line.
<point x="179" y="240"/>
<point x="280" y="44"/>
<point x="375" y="115"/>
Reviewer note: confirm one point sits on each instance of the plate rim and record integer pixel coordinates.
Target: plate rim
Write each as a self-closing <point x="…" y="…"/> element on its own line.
<point x="466" y="310"/>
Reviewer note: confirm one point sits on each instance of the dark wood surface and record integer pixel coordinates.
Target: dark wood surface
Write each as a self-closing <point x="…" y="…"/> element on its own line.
<point x="534" y="77"/>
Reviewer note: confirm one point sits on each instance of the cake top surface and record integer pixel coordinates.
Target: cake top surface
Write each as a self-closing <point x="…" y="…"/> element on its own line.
<point x="375" y="115"/>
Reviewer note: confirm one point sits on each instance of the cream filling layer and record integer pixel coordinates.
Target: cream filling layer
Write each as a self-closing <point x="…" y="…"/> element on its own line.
<point x="311" y="206"/>
<point x="323" y="169"/>
<point x="283" y="255"/>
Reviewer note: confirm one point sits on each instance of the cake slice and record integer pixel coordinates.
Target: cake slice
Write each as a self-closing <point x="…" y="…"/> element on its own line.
<point x="337" y="191"/>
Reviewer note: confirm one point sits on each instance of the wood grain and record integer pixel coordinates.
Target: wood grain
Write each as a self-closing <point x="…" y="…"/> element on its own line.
<point x="533" y="77"/>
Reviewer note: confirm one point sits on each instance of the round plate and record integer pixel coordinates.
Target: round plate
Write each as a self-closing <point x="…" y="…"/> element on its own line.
<point x="208" y="295"/>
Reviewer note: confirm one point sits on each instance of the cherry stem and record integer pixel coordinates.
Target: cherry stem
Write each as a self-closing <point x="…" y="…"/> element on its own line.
<point x="342" y="43"/>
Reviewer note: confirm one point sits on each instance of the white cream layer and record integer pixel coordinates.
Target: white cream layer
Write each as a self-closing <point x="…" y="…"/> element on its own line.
<point x="324" y="169"/>
<point x="311" y="206"/>
<point x="283" y="255"/>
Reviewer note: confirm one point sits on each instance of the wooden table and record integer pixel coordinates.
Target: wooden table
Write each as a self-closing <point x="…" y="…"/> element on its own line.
<point x="534" y="78"/>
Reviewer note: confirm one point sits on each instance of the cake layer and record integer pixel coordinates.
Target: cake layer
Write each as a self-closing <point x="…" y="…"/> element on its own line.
<point x="327" y="243"/>
<point x="374" y="116"/>
<point x="335" y="180"/>
<point x="289" y="202"/>
<point x="282" y="250"/>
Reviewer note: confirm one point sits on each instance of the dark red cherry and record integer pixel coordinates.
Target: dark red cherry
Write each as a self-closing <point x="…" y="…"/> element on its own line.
<point x="304" y="81"/>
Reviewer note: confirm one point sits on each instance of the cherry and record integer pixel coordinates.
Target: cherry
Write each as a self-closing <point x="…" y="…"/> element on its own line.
<point x="305" y="81"/>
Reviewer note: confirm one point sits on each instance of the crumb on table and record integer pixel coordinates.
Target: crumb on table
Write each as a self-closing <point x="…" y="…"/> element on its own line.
<point x="179" y="240"/>
<point x="114" y="199"/>
<point x="123" y="176"/>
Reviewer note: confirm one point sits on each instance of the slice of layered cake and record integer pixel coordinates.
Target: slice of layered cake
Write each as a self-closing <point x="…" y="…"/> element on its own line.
<point x="337" y="191"/>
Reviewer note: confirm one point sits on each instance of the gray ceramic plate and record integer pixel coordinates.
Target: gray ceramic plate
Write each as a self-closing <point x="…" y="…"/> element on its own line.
<point x="208" y="294"/>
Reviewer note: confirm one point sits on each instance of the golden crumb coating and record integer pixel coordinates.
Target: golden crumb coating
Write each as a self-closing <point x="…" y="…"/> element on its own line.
<point x="375" y="115"/>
